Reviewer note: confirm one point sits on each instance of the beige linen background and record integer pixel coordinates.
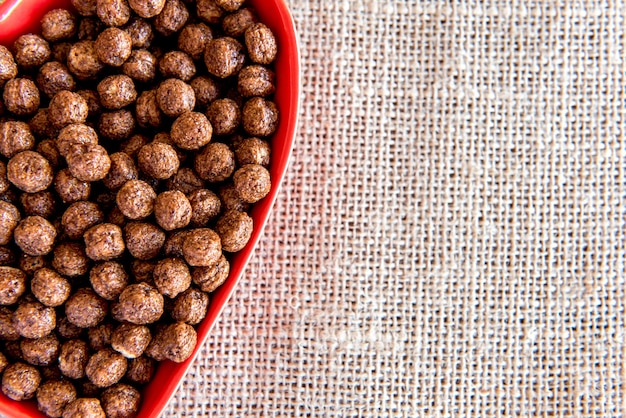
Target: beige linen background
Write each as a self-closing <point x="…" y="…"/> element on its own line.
<point x="449" y="240"/>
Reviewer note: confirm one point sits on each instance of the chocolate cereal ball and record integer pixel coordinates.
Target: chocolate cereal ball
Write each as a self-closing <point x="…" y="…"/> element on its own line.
<point x="35" y="235"/>
<point x="208" y="279"/>
<point x="191" y="131"/>
<point x="85" y="7"/>
<point x="54" y="77"/>
<point x="69" y="188"/>
<point x="60" y="51"/>
<point x="256" y="80"/>
<point x="177" y="64"/>
<point x="20" y="381"/>
<point x="136" y="199"/>
<point x="66" y="108"/>
<point x="147" y="110"/>
<point x="105" y="368"/>
<point x="8" y="67"/>
<point x="174" y="243"/>
<point x="140" y="370"/>
<point x="104" y="242"/>
<point x="234" y="229"/>
<point x="117" y="91"/>
<point x="21" y="96"/>
<point x="7" y="329"/>
<point x="253" y="151"/>
<point x="174" y="342"/>
<point x="205" y="206"/>
<point x="89" y="28"/>
<point x="67" y="330"/>
<point x="140" y="66"/>
<point x="113" y="12"/>
<point x="85" y="308"/>
<point x="224" y="115"/>
<point x="202" y="247"/>
<point x="4" y="181"/>
<point x="54" y="395"/>
<point x="140" y="32"/>
<point x="142" y="271"/>
<point x="7" y="256"/>
<point x="171" y="276"/>
<point x="190" y="306"/>
<point x="34" y="320"/>
<point x="12" y="285"/>
<point x="15" y="137"/>
<point x="229" y="5"/>
<point x="121" y="401"/>
<point x="93" y="102"/>
<point x="41" y="351"/>
<point x="175" y="97"/>
<point x="108" y="279"/>
<point x="215" y="163"/>
<point x="73" y="358"/>
<point x="235" y="24"/>
<point x="193" y="39"/>
<point x="70" y="259"/>
<point x="40" y="125"/>
<point x="172" y="18"/>
<point x="122" y="170"/>
<point x="140" y="304"/>
<point x="38" y="204"/>
<point x="206" y="90"/>
<point x="49" y="287"/>
<point x="208" y="11"/>
<point x="58" y="25"/>
<point x="83" y="61"/>
<point x="9" y="219"/>
<point x="84" y="407"/>
<point x="252" y="182"/>
<point x="185" y="180"/>
<point x="147" y="8"/>
<point x="79" y="217"/>
<point x="130" y="340"/>
<point x="224" y="57"/>
<point x="29" y="172"/>
<point x="133" y="144"/>
<point x="29" y="264"/>
<point x="100" y="336"/>
<point x="158" y="160"/>
<point x="260" y="117"/>
<point x="31" y="51"/>
<point x="261" y="44"/>
<point x="88" y="162"/>
<point x="117" y="125"/>
<point x="143" y="240"/>
<point x="113" y="46"/>
<point x="172" y="210"/>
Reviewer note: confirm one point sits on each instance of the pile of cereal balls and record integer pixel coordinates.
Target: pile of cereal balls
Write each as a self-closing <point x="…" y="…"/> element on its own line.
<point x="133" y="140"/>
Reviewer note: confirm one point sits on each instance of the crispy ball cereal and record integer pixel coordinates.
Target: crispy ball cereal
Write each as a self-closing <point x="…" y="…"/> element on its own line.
<point x="140" y="66"/>
<point x="175" y="97"/>
<point x="9" y="219"/>
<point x="121" y="401"/>
<point x="140" y="370"/>
<point x="147" y="8"/>
<point x="234" y="229"/>
<point x="113" y="12"/>
<point x="49" y="287"/>
<point x="83" y="61"/>
<point x="88" y="162"/>
<point x="172" y="18"/>
<point x="235" y="24"/>
<point x="113" y="46"/>
<point x="117" y="91"/>
<point x="29" y="172"/>
<point x="15" y="137"/>
<point x="100" y="336"/>
<point x="171" y="277"/>
<point x="253" y="151"/>
<point x="140" y="32"/>
<point x="93" y="102"/>
<point x="21" y="96"/>
<point x="261" y="44"/>
<point x="7" y="329"/>
<point x="252" y="182"/>
<point x="208" y="279"/>
<point x="116" y="125"/>
<point x="139" y="304"/>
<point x="79" y="217"/>
<point x="224" y="57"/>
<point x="31" y="51"/>
<point x="133" y="144"/>
<point x="136" y="199"/>
<point x="229" y="5"/>
<point x="29" y="264"/>
<point x="8" y="67"/>
<point x="147" y="110"/>
<point x="230" y="199"/>
<point x="122" y="170"/>
<point x="85" y="7"/>
<point x="35" y="235"/>
<point x="104" y="242"/>
<point x="191" y="131"/>
<point x="20" y="381"/>
<point x="12" y="285"/>
<point x="174" y="342"/>
<point x="256" y="80"/>
<point x="38" y="204"/>
<point x="143" y="240"/>
<point x="209" y="11"/>
<point x="158" y="160"/>
<point x="260" y="117"/>
<point x="89" y="28"/>
<point x="108" y="279"/>
<point x="205" y="89"/>
<point x="193" y="38"/>
<point x="224" y="115"/>
<point x="57" y="25"/>
<point x="54" y="395"/>
<point x="69" y="188"/>
<point x="7" y="256"/>
<point x="177" y="64"/>
<point x="131" y="340"/>
<point x="105" y="368"/>
<point x="142" y="271"/>
<point x="205" y="206"/>
<point x="185" y="180"/>
<point x="172" y="210"/>
<point x="60" y="51"/>
<point x="70" y="260"/>
<point x="66" y="108"/>
<point x="190" y="306"/>
<point x="40" y="351"/>
<point x="73" y="358"/>
<point x="34" y="320"/>
<point x="40" y="125"/>
<point x="85" y="308"/>
<point x="84" y="407"/>
<point x="202" y="247"/>
<point x="215" y="163"/>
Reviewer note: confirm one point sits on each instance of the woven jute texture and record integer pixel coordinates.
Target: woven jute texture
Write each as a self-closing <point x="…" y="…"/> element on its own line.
<point x="449" y="240"/>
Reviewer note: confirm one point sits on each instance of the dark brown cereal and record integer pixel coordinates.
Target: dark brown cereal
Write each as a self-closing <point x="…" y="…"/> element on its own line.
<point x="12" y="285"/>
<point x="12" y="350"/>
<point x="202" y="247"/>
<point x="177" y="64"/>
<point x="108" y="279"/>
<point x="8" y="67"/>
<point x="140" y="66"/>
<point x="136" y="199"/>
<point x="185" y="180"/>
<point x="88" y="162"/>
<point x="104" y="242"/>
<point x="205" y="206"/>
<point x="191" y="131"/>
<point x="85" y="308"/>
<point x="67" y="330"/>
<point x="82" y="60"/>
<point x="7" y="256"/>
<point x="231" y="200"/>
<point x="175" y="97"/>
<point x="122" y="170"/>
<point x="205" y="89"/>
<point x="73" y="358"/>
<point x="93" y="102"/>
<point x="69" y="188"/>
<point x="116" y="125"/>
<point x="4" y="181"/>
<point x="54" y="395"/>
<point x="224" y="57"/>
<point x="131" y="340"/>
<point x="172" y="18"/>
<point x="158" y="160"/>
<point x="40" y="125"/>
<point x="172" y="210"/>
<point x="29" y="264"/>
<point x="174" y="243"/>
<point x="37" y="204"/>
<point x="132" y="145"/>
<point x="35" y="235"/>
<point x="70" y="260"/>
<point x="215" y="163"/>
<point x="171" y="277"/>
<point x="253" y="151"/>
<point x="7" y="329"/>
<point x="66" y="108"/>
<point x="142" y="270"/>
<point x="89" y="28"/>
<point x="48" y="149"/>
<point x="49" y="287"/>
<point x="229" y="5"/>
<point x="260" y="117"/>
<point x="31" y="51"/>
<point x="60" y="51"/>
<point x="211" y="277"/>
<point x="34" y="320"/>
<point x="147" y="8"/>
<point x="84" y="407"/>
<point x="224" y="115"/>
<point x="85" y="7"/>
<point x="208" y="11"/>
<point x="21" y="96"/>
<point x="165" y="138"/>
<point x="140" y="304"/>
<point x="117" y="91"/>
<point x="15" y="137"/>
<point x="140" y="370"/>
<point x="147" y="110"/>
<point x="121" y="401"/>
<point x="9" y="219"/>
<point x="174" y="342"/>
<point x="58" y="25"/>
<point x="29" y="172"/>
<point x="88" y="389"/>
<point x="113" y="12"/>
<point x="100" y="336"/>
<point x="190" y="306"/>
<point x="143" y="240"/>
<point x="140" y="32"/>
<point x="235" y="24"/>
<point x="51" y="372"/>
<point x="256" y="80"/>
<point x="10" y="196"/>
<point x="261" y="44"/>
<point x="40" y="351"/>
<point x="113" y="46"/>
<point x="20" y="381"/>
<point x="252" y="182"/>
<point x="193" y="39"/>
<point x="234" y="229"/>
<point x="79" y="217"/>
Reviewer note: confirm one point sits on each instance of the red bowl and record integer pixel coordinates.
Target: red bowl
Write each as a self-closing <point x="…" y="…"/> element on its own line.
<point x="22" y="16"/>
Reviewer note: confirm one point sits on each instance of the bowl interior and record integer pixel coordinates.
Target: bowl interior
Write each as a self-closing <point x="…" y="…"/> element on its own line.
<point x="22" y="16"/>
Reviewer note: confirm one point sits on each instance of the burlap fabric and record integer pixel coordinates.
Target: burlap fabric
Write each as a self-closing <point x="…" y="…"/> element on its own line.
<point x="449" y="241"/>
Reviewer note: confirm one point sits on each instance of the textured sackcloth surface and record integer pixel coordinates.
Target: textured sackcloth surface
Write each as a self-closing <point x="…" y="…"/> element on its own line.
<point x="449" y="241"/>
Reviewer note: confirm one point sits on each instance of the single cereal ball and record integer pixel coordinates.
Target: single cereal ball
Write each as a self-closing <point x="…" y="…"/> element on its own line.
<point x="171" y="277"/>
<point x="88" y="162"/>
<point x="67" y="330"/>
<point x="89" y="28"/>
<point x="57" y="25"/>
<point x="140" y="370"/>
<point x="20" y="381"/>
<point x="113" y="46"/>
<point x="143" y="240"/>
<point x="41" y="351"/>
<point x="177" y="64"/>
<point x="85" y="308"/>
<point x="206" y="90"/>
<point x="224" y="57"/>
<point x="185" y="180"/>
<point x="54" y="77"/>
<point x="140" y="304"/>
<point x="113" y="12"/>
<point x="69" y="188"/>
<point x="215" y="163"/>
<point x="54" y="395"/>
<point x="205" y="206"/>
<point x="83" y="408"/>
<point x="235" y="24"/>
<point x="7" y="329"/>
<point x="229" y="5"/>
<point x="174" y="342"/>
<point x="40" y="125"/>
<point x="108" y="279"/>
<point x="116" y="125"/>
<point x="174" y="243"/>
<point x="100" y="336"/>
<point x="209" y="278"/>
<point x="131" y="340"/>
<point x="202" y="247"/>
<point x="70" y="259"/>
<point x="136" y="199"/>
<point x="85" y="7"/>
<point x="79" y="217"/>
<point x="172" y="18"/>
<point x="142" y="271"/>
<point x="31" y="51"/>
<point x="8" y="67"/>
<point x="224" y="115"/>
<point x="29" y="264"/>
<point x="60" y="51"/>
<point x="104" y="242"/>
<point x="190" y="306"/>
<point x="191" y="131"/>
<point x="21" y="96"/>
<point x="140" y="32"/>
<point x="140" y="66"/>
<point x="260" y="117"/>
<point x="35" y="235"/>
<point x="38" y="204"/>
<point x="12" y="285"/>
<point x="193" y="39"/>
<point x="261" y="44"/>
<point x="49" y="287"/>
<point x="83" y="61"/>
<point x="122" y="170"/>
<point x="66" y="108"/>
<point x="34" y="320"/>
<point x="256" y="80"/>
<point x="208" y="11"/>
<point x="252" y="182"/>
<point x="175" y="97"/>
<point x="147" y="8"/>
<point x="132" y="145"/>
<point x="73" y="358"/>
<point x="121" y="401"/>
<point x="253" y="151"/>
<point x="93" y="102"/>
<point x="147" y="110"/>
<point x="9" y="219"/>
<point x="235" y="230"/>
<point x="165" y="138"/>
<point x="172" y="210"/>
<point x="29" y="172"/>
<point x="158" y="160"/>
<point x="117" y="91"/>
<point x="48" y="149"/>
<point x="15" y="137"/>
